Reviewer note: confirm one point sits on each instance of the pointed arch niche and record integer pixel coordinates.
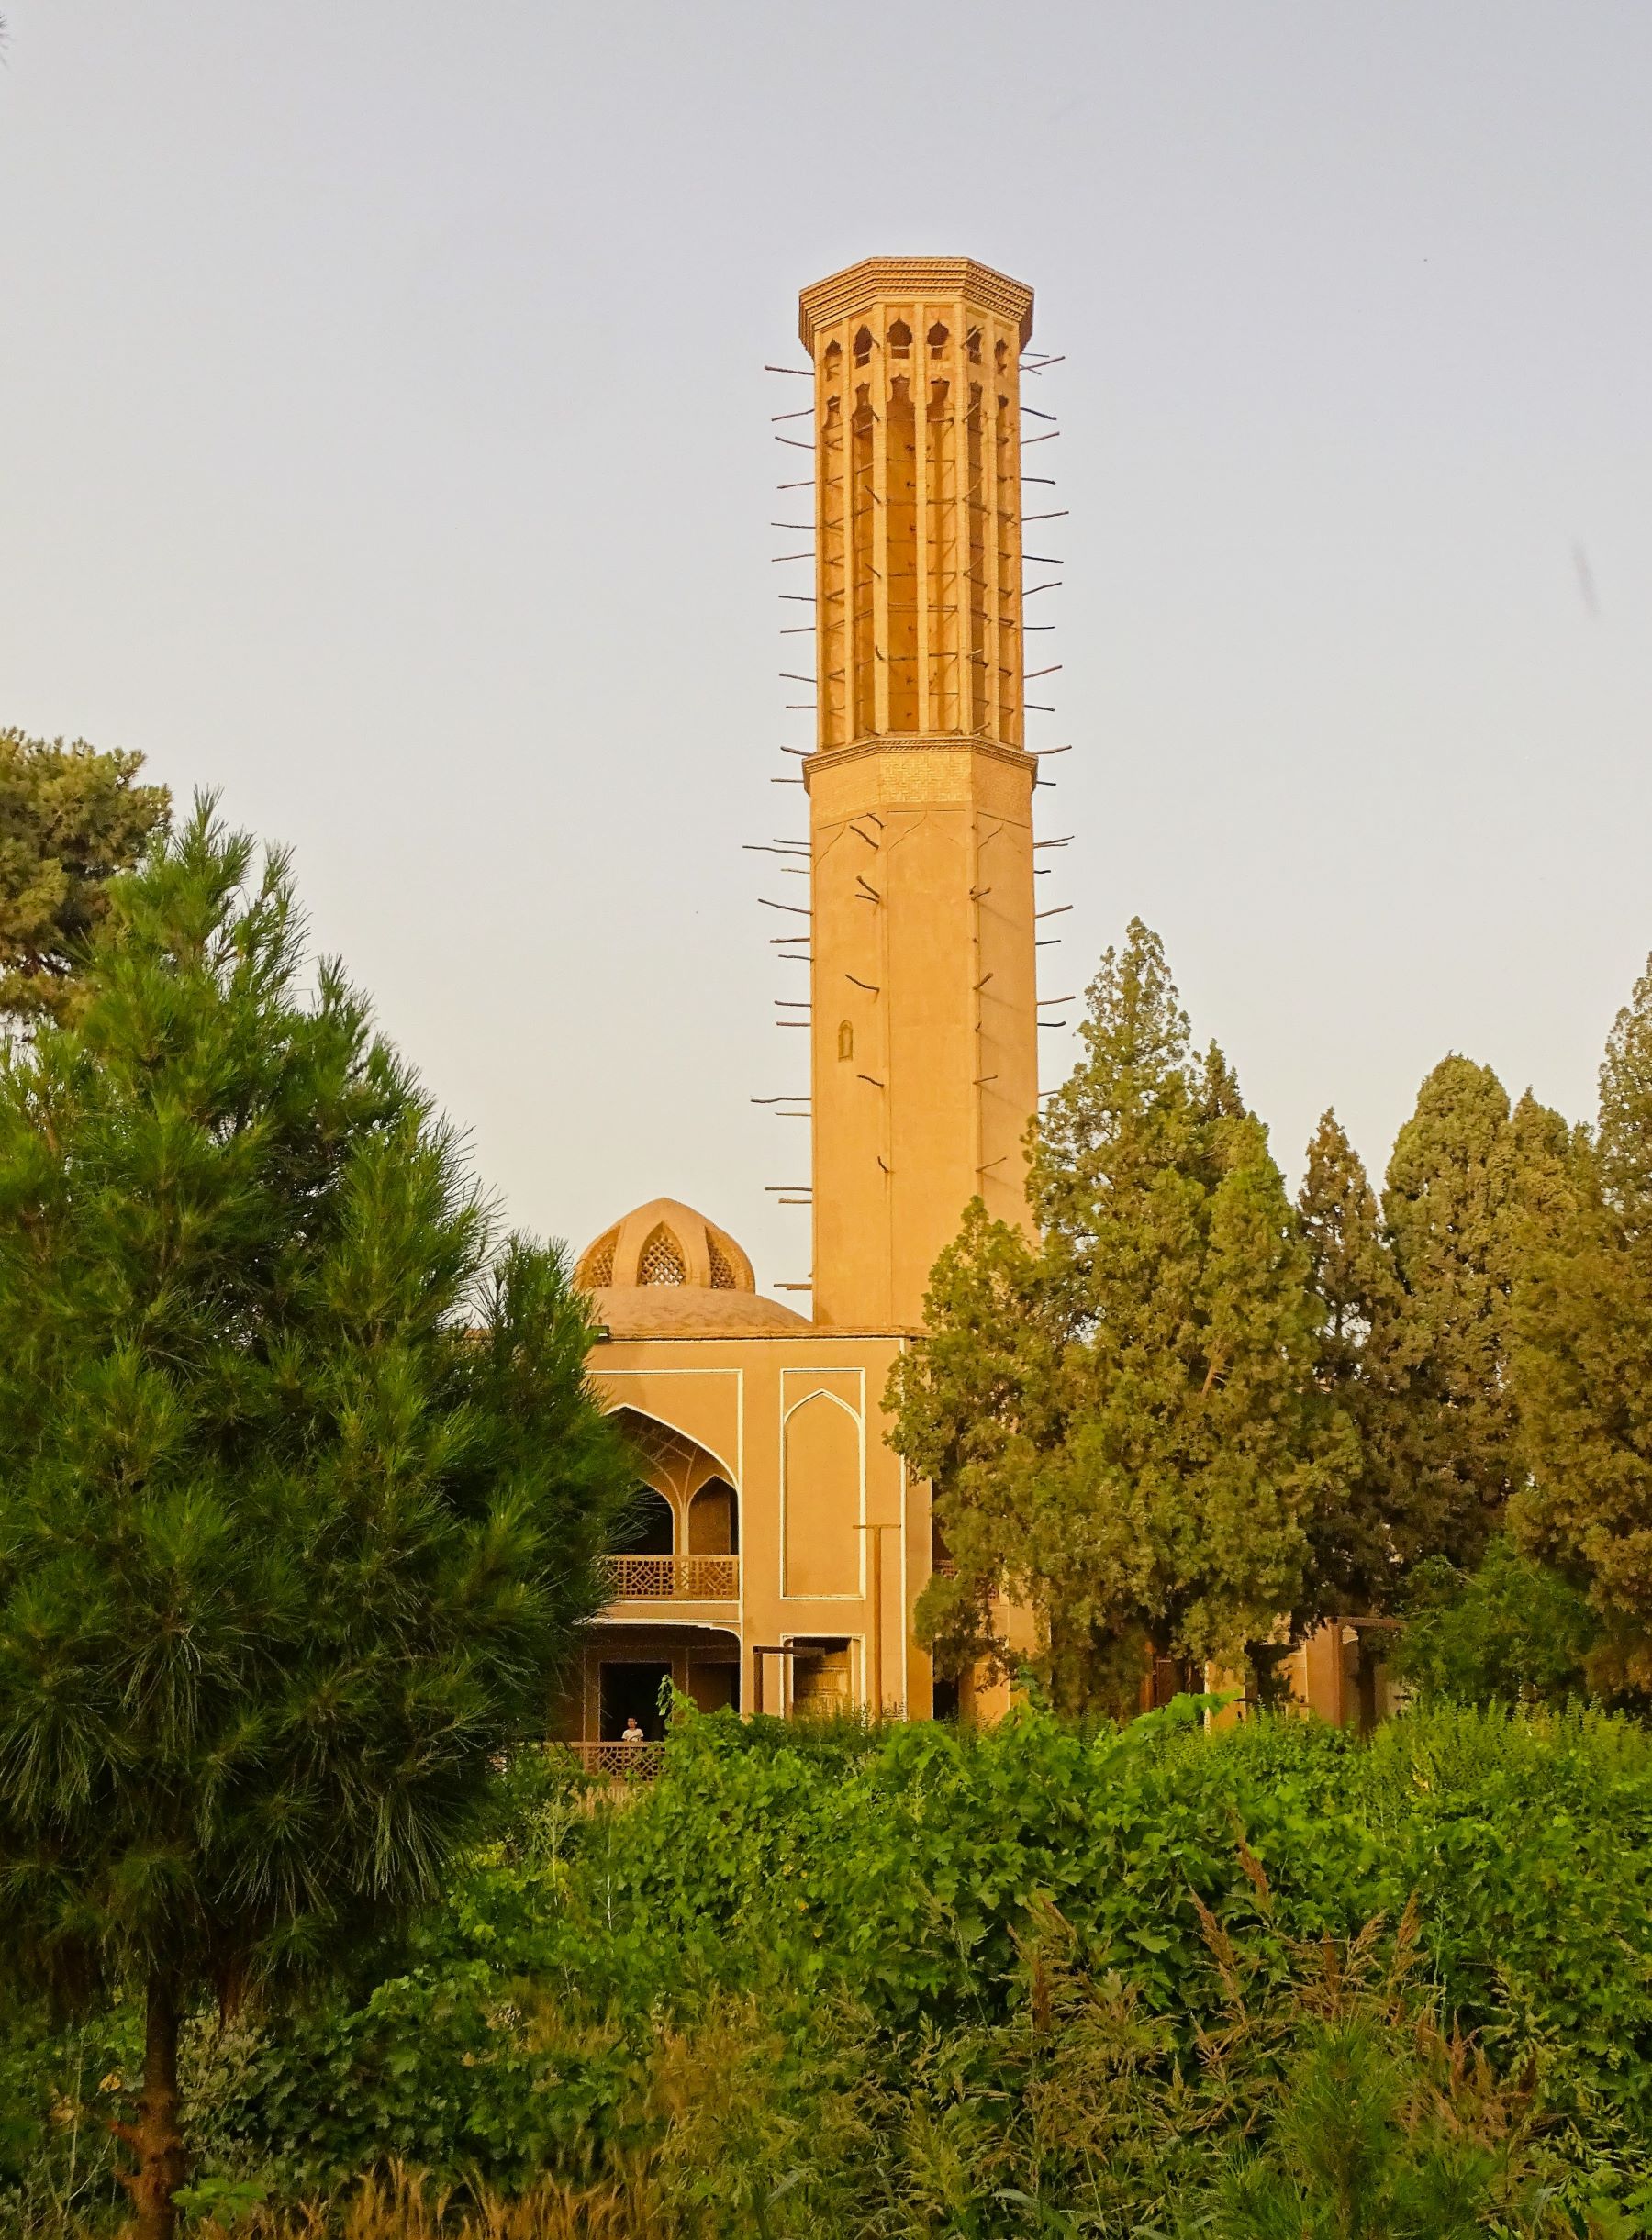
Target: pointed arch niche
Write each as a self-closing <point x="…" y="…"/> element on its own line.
<point x="824" y="1462"/>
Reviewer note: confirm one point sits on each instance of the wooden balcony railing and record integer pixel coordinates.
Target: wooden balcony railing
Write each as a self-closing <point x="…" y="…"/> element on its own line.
<point x="618" y="1761"/>
<point x="672" y="1578"/>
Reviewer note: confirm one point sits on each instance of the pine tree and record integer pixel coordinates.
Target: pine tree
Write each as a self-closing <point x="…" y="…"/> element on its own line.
<point x="303" y="1484"/>
<point x="1472" y="1189"/>
<point x="1357" y="1543"/>
<point x="1583" y="1365"/>
<point x="1118" y="1420"/>
<point x="71" y="818"/>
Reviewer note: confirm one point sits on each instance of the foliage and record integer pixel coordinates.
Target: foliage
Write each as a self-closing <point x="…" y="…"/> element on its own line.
<point x="1472" y="1191"/>
<point x="1118" y="1418"/>
<point x="1359" y="1547"/>
<point x="71" y="818"/>
<point x="1510" y="1632"/>
<point x="304" y="1487"/>
<point x="1583" y="1366"/>
<point x="1019" y="1983"/>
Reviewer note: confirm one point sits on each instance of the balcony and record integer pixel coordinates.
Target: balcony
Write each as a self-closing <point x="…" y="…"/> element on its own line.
<point x="672" y="1578"/>
<point x="616" y="1763"/>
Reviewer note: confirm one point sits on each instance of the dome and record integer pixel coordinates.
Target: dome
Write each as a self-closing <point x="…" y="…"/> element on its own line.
<point x="666" y="1270"/>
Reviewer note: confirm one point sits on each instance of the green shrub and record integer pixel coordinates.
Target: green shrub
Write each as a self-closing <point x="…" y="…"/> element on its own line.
<point x="926" y="1981"/>
<point x="1512" y="1631"/>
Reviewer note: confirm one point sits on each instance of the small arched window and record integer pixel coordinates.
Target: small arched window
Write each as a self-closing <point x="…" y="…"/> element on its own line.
<point x="661" y="1260"/>
<point x="972" y="343"/>
<point x="847" y="1039"/>
<point x="863" y="347"/>
<point x="937" y="339"/>
<point x="834" y="357"/>
<point x="598" y="1268"/>
<point x="900" y="340"/>
<point x="1000" y="355"/>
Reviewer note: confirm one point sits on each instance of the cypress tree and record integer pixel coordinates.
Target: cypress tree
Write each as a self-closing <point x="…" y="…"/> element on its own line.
<point x="1359" y="1541"/>
<point x="1118" y="1420"/>
<point x="1472" y="1189"/>
<point x="303" y="1486"/>
<point x="1583" y="1363"/>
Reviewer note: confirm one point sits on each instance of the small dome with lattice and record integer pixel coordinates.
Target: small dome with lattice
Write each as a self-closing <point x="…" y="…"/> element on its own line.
<point x="666" y="1244"/>
<point x="666" y="1271"/>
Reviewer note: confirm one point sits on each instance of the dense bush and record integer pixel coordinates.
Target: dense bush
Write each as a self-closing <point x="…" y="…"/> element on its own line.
<point x="1028" y="1982"/>
<point x="1511" y="1631"/>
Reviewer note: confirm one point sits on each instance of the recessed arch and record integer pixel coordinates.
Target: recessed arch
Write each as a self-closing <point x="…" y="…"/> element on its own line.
<point x="820" y="1393"/>
<point x="823" y="1463"/>
<point x="714" y="1519"/>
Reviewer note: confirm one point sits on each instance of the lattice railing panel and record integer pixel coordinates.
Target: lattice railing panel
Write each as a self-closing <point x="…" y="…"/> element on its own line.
<point x="674" y="1579"/>
<point x="618" y="1761"/>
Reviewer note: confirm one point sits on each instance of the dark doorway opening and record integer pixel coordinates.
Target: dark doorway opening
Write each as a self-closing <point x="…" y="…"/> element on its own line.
<point x="632" y="1692"/>
<point x="1171" y="1675"/>
<point x="944" y="1698"/>
<point x="820" y="1678"/>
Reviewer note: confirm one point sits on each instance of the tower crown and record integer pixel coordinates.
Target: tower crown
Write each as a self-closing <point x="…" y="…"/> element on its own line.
<point x="918" y="549"/>
<point x="876" y="281"/>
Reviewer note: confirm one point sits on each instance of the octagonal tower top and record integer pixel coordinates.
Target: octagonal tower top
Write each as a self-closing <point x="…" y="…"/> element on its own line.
<point x="918" y="512"/>
<point x="874" y="280"/>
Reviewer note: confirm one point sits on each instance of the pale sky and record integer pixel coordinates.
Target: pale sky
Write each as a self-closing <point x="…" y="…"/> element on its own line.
<point x="386" y="443"/>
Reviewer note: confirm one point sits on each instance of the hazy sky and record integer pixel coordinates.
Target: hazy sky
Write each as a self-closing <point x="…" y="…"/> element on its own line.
<point x="384" y="440"/>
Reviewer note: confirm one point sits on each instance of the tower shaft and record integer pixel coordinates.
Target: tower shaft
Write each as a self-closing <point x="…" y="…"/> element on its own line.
<point x="924" y="1012"/>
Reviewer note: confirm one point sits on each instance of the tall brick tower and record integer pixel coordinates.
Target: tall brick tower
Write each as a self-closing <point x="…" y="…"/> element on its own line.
<point x="924" y="1012"/>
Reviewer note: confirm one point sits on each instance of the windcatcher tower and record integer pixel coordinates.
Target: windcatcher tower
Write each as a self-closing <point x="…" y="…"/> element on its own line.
<point x="924" y="1011"/>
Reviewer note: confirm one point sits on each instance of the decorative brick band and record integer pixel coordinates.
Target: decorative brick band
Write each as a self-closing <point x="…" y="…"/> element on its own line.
<point x="906" y="742"/>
